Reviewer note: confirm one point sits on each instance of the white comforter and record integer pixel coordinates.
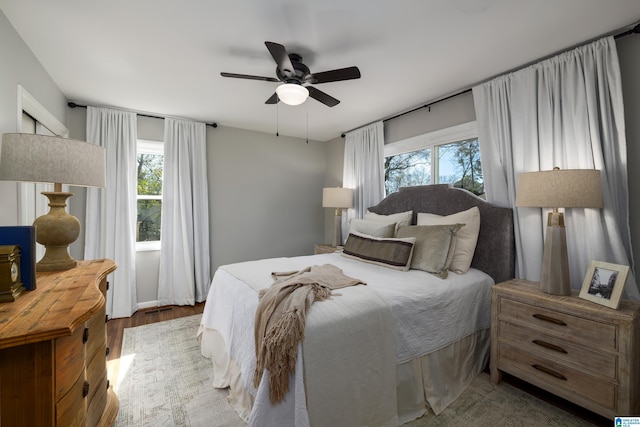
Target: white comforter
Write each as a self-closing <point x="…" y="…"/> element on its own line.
<point x="427" y="313"/>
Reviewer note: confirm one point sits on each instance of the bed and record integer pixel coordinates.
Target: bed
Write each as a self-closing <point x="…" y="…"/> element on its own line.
<point x="379" y="354"/>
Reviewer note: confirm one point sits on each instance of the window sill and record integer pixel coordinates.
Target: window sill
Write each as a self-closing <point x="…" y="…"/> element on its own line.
<point x="147" y="246"/>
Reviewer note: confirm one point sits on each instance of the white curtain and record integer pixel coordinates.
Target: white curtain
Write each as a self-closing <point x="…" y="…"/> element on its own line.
<point x="111" y="211"/>
<point x="364" y="167"/>
<point x="184" y="254"/>
<point x="566" y="111"/>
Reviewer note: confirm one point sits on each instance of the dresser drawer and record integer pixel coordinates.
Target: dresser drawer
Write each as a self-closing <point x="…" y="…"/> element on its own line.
<point x="583" y="358"/>
<point x="571" y="328"/>
<point x="96" y="342"/>
<point x="97" y="402"/>
<point x="69" y="361"/>
<point x="554" y="376"/>
<point x="96" y="373"/>
<point x="71" y="409"/>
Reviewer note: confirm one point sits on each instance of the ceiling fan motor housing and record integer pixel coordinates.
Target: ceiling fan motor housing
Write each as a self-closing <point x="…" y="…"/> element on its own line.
<point x="298" y="74"/>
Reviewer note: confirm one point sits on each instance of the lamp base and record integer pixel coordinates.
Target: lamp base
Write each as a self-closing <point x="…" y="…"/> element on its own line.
<point x="337" y="228"/>
<point x="56" y="231"/>
<point x="555" y="263"/>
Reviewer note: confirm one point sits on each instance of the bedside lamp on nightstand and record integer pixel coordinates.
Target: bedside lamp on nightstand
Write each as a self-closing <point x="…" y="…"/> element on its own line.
<point x="338" y="198"/>
<point x="570" y="188"/>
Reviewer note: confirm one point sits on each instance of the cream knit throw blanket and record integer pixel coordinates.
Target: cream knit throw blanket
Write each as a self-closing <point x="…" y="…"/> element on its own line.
<point x="280" y="320"/>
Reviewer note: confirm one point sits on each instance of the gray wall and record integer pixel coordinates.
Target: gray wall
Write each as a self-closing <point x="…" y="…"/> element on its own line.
<point x="265" y="195"/>
<point x="441" y="115"/>
<point x="20" y="66"/>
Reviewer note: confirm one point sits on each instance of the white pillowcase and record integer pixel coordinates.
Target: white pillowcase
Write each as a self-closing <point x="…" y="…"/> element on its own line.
<point x="466" y="238"/>
<point x="399" y="219"/>
<point x="372" y="228"/>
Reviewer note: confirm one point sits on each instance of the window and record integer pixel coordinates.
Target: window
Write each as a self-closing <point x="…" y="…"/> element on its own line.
<point x="449" y="156"/>
<point x="150" y="162"/>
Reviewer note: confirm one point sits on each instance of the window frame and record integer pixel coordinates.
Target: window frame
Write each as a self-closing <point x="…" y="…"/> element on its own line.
<point x="145" y="146"/>
<point x="432" y="140"/>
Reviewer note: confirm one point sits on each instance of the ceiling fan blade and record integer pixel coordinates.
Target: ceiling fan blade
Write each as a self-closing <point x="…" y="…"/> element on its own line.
<point x="273" y="99"/>
<point x="245" y="76"/>
<point x="348" y="73"/>
<point x="281" y="57"/>
<point x="319" y="95"/>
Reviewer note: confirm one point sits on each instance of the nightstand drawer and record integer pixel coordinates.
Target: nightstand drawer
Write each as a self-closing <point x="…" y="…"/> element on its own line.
<point x="572" y="328"/>
<point x="548" y="375"/>
<point x="586" y="359"/>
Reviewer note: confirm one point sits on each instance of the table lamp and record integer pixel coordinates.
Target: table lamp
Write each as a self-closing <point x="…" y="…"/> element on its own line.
<point x="338" y="198"/>
<point x="51" y="159"/>
<point x="570" y="188"/>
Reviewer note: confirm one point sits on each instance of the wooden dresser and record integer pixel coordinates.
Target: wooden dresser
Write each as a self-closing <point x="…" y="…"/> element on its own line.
<point x="581" y="351"/>
<point x="53" y="367"/>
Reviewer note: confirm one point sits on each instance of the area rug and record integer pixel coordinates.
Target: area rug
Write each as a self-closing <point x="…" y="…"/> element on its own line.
<point x="165" y="381"/>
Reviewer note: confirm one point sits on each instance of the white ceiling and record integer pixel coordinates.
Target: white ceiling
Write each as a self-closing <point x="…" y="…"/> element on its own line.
<point x="165" y="57"/>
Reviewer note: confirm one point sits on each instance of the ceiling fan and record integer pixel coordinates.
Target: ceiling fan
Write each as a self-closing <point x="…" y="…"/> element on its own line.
<point x="297" y="77"/>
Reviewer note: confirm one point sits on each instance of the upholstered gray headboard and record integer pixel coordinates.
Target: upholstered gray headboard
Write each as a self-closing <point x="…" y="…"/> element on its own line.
<point x="495" y="251"/>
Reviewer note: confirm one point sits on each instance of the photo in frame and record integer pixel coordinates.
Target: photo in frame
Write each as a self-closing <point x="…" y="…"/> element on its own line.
<point x="604" y="283"/>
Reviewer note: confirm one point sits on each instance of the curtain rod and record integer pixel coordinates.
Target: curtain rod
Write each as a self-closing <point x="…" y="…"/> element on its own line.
<point x="633" y="30"/>
<point x="72" y="104"/>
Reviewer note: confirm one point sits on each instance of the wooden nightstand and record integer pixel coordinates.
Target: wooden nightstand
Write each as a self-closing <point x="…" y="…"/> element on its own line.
<point x="326" y="249"/>
<point x="581" y="351"/>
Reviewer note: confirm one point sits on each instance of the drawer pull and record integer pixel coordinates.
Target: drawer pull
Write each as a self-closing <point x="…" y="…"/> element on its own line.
<point x="85" y="335"/>
<point x="107" y="351"/>
<point x="549" y="319"/>
<point x="549" y="372"/>
<point x="549" y="346"/>
<point x="85" y="389"/>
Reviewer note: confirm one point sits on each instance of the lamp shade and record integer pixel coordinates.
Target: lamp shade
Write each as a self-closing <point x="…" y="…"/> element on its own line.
<point x="337" y="197"/>
<point x="292" y="94"/>
<point x="568" y="188"/>
<point x="51" y="159"/>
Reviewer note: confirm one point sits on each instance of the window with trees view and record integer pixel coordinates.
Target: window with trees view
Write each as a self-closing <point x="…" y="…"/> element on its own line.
<point x="150" y="162"/>
<point x="451" y="156"/>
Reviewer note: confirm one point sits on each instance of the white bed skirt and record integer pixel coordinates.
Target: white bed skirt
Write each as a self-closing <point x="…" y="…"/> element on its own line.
<point x="434" y="380"/>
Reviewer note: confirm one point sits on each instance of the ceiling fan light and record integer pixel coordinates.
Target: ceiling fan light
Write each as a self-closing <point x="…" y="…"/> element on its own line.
<point x="292" y="94"/>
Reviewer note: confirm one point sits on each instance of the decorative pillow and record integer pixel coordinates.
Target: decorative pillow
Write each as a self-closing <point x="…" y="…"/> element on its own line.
<point x="392" y="253"/>
<point x="466" y="239"/>
<point x="434" y="247"/>
<point x="372" y="228"/>
<point x="402" y="218"/>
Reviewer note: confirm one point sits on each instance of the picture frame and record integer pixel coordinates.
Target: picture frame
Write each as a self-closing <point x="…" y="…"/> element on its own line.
<point x="604" y="283"/>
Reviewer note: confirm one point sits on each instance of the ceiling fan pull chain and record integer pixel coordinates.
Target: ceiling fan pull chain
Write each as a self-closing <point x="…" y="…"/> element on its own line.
<point x="307" y="122"/>
<point x="277" y="119"/>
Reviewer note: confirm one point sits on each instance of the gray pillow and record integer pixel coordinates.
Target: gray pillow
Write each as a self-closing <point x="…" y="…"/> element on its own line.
<point x="434" y="246"/>
<point x="392" y="253"/>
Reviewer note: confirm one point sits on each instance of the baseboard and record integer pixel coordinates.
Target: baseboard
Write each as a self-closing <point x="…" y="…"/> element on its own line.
<point x="147" y="304"/>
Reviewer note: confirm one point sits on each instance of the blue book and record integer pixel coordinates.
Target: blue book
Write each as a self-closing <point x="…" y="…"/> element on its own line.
<point x="25" y="237"/>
